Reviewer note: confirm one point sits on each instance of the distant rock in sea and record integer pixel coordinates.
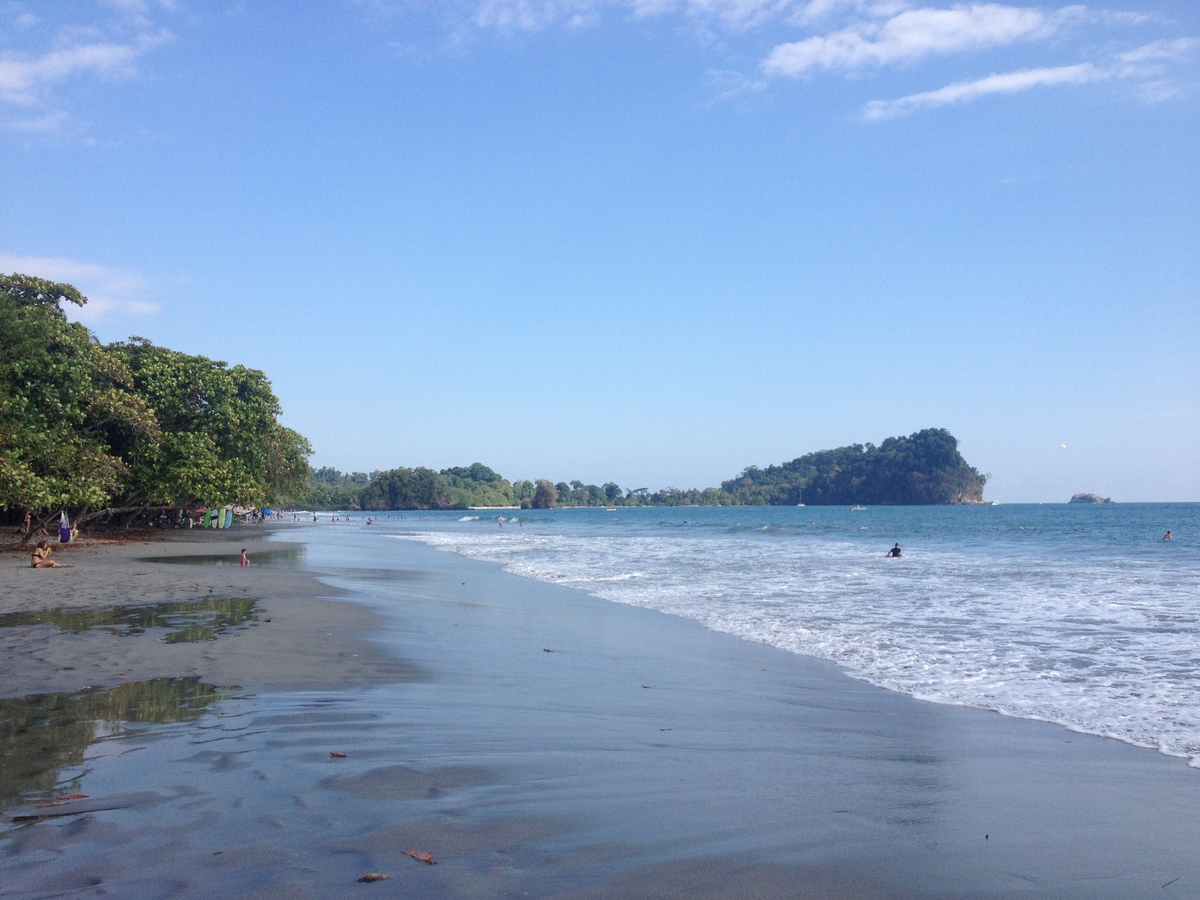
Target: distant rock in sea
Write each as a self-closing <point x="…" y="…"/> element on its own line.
<point x="1090" y="498"/>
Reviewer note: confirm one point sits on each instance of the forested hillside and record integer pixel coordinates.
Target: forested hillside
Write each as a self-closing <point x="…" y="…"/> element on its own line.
<point x="923" y="468"/>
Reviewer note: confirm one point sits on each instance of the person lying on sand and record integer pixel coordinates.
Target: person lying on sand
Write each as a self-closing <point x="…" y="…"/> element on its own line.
<point x="41" y="557"/>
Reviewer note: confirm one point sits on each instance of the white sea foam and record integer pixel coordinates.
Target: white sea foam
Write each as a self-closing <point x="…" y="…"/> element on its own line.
<point x="1090" y="633"/>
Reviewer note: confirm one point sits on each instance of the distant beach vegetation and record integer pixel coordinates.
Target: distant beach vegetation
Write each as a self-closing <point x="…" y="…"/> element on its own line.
<point x="924" y="468"/>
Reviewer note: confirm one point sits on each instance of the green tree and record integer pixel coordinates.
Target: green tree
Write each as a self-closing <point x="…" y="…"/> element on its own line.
<point x="220" y="440"/>
<point x="545" y="496"/>
<point x="418" y="488"/>
<point x="68" y="408"/>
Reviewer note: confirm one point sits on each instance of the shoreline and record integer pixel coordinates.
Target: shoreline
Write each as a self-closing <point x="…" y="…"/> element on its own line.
<point x="547" y="742"/>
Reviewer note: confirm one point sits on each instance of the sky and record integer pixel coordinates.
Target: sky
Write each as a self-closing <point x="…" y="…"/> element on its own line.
<point x="644" y="241"/>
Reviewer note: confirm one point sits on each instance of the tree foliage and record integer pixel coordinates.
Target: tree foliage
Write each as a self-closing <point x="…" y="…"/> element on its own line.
<point x="129" y="425"/>
<point x="923" y="468"/>
<point x="545" y="495"/>
<point x="67" y="406"/>
<point x="219" y="434"/>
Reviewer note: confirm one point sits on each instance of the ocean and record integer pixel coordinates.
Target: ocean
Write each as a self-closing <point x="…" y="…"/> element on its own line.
<point x="1075" y="614"/>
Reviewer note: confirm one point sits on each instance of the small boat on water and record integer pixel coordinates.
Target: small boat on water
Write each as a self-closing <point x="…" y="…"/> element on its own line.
<point x="858" y="509"/>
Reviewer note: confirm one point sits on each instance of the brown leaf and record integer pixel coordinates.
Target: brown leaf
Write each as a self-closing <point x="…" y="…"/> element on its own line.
<point x="374" y="876"/>
<point x="422" y="856"/>
<point x="337" y="755"/>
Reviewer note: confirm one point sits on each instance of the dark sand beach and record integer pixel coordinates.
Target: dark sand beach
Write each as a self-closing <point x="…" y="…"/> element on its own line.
<point x="534" y="740"/>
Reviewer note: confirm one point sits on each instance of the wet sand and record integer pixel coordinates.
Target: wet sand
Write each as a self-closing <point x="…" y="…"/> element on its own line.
<point x="66" y="654"/>
<point x="539" y="742"/>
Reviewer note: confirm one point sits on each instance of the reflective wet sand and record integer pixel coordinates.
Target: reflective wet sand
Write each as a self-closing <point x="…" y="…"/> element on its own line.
<point x="538" y="742"/>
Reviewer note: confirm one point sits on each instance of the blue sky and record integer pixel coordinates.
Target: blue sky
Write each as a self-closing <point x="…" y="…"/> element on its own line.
<point x="649" y="241"/>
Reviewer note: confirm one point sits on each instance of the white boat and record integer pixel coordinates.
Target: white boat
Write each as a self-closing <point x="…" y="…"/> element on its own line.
<point x="858" y="509"/>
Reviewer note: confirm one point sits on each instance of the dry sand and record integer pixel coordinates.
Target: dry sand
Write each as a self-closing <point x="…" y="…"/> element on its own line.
<point x="642" y="756"/>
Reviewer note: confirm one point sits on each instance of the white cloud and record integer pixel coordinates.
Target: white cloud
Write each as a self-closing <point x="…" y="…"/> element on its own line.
<point x="1160" y="50"/>
<point x="909" y="36"/>
<point x="110" y="292"/>
<point x="966" y="91"/>
<point x="22" y="79"/>
<point x="1143" y="64"/>
<point x="732" y="15"/>
<point x="846" y="37"/>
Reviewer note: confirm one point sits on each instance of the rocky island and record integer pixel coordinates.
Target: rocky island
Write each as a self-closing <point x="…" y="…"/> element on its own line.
<point x="1089" y="498"/>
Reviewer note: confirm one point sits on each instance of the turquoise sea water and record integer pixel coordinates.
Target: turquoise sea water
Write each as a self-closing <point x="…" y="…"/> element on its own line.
<point x="1076" y="614"/>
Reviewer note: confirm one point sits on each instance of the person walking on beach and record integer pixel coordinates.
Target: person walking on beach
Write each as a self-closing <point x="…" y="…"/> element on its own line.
<point x="245" y="562"/>
<point x="41" y="558"/>
<point x="895" y="551"/>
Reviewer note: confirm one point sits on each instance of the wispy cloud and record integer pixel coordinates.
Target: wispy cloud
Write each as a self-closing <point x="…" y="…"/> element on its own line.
<point x="730" y="15"/>
<point x="966" y="91"/>
<point x="1143" y="63"/>
<point x="22" y="79"/>
<point x="73" y="51"/>
<point x="110" y="291"/>
<point x="807" y="39"/>
<point x="1160" y="50"/>
<point x="909" y="36"/>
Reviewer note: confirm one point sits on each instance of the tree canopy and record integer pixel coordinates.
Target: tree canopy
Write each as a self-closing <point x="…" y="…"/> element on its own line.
<point x="90" y="427"/>
<point x="923" y="468"/>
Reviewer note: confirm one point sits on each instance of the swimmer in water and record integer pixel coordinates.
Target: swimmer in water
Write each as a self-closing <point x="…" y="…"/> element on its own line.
<point x="1167" y="536"/>
<point x="895" y="551"/>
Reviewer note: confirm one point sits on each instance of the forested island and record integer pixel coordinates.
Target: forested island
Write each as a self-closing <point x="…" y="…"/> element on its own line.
<point x="924" y="468"/>
<point x="119" y="432"/>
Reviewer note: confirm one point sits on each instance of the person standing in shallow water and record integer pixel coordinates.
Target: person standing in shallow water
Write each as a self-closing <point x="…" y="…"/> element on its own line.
<point x="895" y="551"/>
<point x="245" y="562"/>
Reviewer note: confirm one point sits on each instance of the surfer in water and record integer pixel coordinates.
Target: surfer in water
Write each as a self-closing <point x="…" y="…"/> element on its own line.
<point x="895" y="551"/>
